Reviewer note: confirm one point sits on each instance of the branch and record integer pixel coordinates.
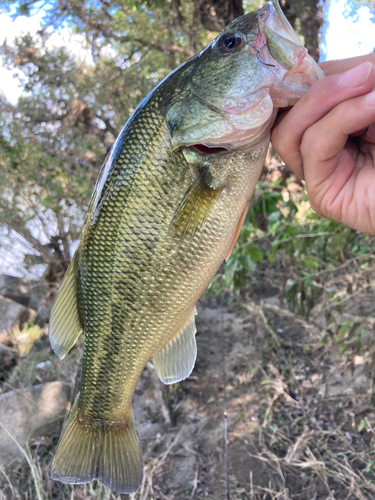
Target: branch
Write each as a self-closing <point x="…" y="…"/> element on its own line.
<point x="18" y="226"/>
<point x="110" y="128"/>
<point x="163" y="47"/>
<point x="51" y="117"/>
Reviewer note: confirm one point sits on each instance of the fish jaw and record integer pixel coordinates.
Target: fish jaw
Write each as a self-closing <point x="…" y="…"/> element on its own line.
<point x="281" y="50"/>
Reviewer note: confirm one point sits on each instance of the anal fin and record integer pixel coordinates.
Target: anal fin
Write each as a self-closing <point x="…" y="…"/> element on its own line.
<point x="64" y="324"/>
<point x="176" y="361"/>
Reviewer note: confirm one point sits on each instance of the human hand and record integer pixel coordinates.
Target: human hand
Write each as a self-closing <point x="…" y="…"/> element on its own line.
<point x="328" y="138"/>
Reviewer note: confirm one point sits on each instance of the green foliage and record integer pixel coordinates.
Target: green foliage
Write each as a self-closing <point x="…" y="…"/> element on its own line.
<point x="307" y="245"/>
<point x="320" y="265"/>
<point x="53" y="142"/>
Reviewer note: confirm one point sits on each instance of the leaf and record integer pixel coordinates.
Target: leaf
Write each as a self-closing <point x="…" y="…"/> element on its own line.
<point x="311" y="262"/>
<point x="255" y="252"/>
<point x="361" y="427"/>
<point x="324" y="337"/>
<point x="369" y="466"/>
<point x="272" y="253"/>
<point x="343" y="348"/>
<point x="342" y="332"/>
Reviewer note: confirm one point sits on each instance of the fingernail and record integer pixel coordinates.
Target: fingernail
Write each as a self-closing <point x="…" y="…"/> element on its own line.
<point x="370" y="98"/>
<point x="356" y="77"/>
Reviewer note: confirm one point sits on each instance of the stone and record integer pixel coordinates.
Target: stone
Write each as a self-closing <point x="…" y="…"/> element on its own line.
<point x="28" y="412"/>
<point x="7" y="339"/>
<point x="8" y="357"/>
<point x="21" y="290"/>
<point x="14" y="314"/>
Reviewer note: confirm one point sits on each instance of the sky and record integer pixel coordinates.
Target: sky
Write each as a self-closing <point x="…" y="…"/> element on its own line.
<point x="9" y="85"/>
<point x="344" y="37"/>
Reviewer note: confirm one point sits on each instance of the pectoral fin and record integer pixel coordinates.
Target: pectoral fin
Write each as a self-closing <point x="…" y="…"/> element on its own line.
<point x="195" y="207"/>
<point x="176" y="361"/>
<point x="64" y="325"/>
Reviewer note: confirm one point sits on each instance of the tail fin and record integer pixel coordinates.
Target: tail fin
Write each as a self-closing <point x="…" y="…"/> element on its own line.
<point x="109" y="453"/>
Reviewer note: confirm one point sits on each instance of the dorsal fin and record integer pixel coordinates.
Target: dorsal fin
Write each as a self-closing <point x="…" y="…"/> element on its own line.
<point x="176" y="361"/>
<point x="64" y="324"/>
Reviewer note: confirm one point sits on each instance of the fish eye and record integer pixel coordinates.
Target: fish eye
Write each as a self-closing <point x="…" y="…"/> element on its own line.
<point x="229" y="43"/>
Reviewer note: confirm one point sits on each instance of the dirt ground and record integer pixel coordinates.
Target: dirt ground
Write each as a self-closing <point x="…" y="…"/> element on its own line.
<point x="299" y="419"/>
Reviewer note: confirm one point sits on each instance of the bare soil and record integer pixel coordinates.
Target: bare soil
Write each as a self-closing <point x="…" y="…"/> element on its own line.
<point x="300" y="424"/>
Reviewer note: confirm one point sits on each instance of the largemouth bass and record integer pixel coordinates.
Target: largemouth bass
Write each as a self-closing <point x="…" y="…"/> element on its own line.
<point x="166" y="211"/>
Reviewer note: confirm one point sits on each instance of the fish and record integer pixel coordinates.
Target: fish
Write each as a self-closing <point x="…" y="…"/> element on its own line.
<point x="166" y="211"/>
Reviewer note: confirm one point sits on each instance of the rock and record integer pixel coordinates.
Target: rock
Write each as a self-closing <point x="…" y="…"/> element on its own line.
<point x="14" y="314"/>
<point x="29" y="411"/>
<point x="29" y="293"/>
<point x="7" y="339"/>
<point x="8" y="357"/>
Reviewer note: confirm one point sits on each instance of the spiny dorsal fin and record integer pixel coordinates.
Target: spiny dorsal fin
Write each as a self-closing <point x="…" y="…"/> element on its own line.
<point x="194" y="208"/>
<point x="176" y="361"/>
<point x="64" y="324"/>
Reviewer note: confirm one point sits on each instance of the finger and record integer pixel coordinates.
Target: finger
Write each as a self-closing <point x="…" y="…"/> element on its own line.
<point x="367" y="147"/>
<point x="369" y="134"/>
<point x="334" y="67"/>
<point x="316" y="103"/>
<point x="323" y="143"/>
<point x="359" y="132"/>
<point x="367" y="141"/>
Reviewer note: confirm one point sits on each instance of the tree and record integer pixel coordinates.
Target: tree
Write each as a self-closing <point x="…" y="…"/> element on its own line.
<point x="306" y="17"/>
<point x="53" y="142"/>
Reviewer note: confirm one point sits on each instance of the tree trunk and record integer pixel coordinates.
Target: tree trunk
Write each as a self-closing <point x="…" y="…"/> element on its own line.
<point x="216" y="14"/>
<point x="310" y="18"/>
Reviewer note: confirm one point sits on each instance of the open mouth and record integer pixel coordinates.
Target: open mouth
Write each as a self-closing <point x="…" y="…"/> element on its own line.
<point x="205" y="150"/>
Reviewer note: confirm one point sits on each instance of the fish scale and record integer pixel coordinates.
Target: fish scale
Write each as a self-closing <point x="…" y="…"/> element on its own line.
<point x="166" y="211"/>
<point x="124" y="257"/>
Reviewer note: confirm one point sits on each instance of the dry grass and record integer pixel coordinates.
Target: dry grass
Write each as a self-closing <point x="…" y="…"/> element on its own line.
<point x="303" y="443"/>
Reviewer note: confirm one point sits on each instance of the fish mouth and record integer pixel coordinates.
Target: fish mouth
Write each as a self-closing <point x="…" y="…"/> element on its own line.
<point x="287" y="71"/>
<point x="279" y="49"/>
<point x="206" y="150"/>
